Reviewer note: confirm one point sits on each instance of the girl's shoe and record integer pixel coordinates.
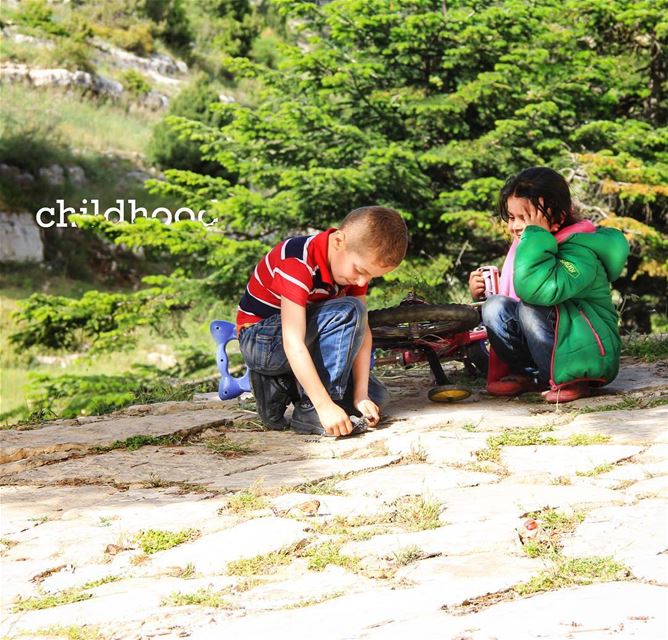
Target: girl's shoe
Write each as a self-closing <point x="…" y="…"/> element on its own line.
<point x="568" y="393"/>
<point x="512" y="386"/>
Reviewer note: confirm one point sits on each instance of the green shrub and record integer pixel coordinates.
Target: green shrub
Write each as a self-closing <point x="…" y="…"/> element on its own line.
<point x="168" y="148"/>
<point x="37" y="14"/>
<point x="135" y="83"/>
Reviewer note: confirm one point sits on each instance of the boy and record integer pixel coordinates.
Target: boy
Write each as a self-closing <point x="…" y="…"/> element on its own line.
<point x="303" y="316"/>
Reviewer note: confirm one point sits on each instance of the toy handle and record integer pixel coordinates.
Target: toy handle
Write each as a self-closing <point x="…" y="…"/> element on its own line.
<point x="229" y="386"/>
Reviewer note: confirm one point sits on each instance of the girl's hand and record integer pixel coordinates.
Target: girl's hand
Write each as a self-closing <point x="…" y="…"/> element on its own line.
<point x="477" y="284"/>
<point x="534" y="216"/>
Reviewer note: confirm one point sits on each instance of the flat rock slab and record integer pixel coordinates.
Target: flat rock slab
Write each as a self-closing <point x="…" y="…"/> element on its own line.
<point x="558" y="460"/>
<point x="412" y="479"/>
<point x="454" y="539"/>
<point x="130" y="599"/>
<point x="292" y="474"/>
<point x="304" y="587"/>
<point x="612" y="610"/>
<point x="626" y="533"/>
<point x="512" y="498"/>
<point x="330" y="506"/>
<point x="211" y="554"/>
<point x="150" y="466"/>
<point x="16" y="445"/>
<point x="438" y="447"/>
<point x="475" y="574"/>
<point x="635" y="426"/>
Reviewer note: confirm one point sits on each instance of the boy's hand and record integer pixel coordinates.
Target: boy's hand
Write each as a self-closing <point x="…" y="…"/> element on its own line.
<point x="334" y="419"/>
<point x="369" y="409"/>
<point x="477" y="284"/>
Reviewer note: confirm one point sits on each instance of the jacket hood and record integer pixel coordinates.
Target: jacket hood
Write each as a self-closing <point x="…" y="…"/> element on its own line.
<point x="609" y="245"/>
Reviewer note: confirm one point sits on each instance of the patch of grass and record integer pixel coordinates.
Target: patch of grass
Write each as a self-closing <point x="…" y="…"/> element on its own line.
<point x="627" y="403"/>
<point x="415" y="513"/>
<point x="319" y="556"/>
<point x="521" y="438"/>
<point x="137" y="442"/>
<point x="154" y="540"/>
<point x="201" y="597"/>
<point x="584" y="439"/>
<point x="228" y="448"/>
<point x="528" y="437"/>
<point x="244" y="501"/>
<point x="39" y="519"/>
<point x="469" y="426"/>
<point x="309" y="602"/>
<point x="417" y="455"/>
<point x="46" y="601"/>
<point x="649" y="348"/>
<point x="322" y="487"/>
<point x="72" y="632"/>
<point x="574" y="572"/>
<point x="185" y="573"/>
<point x="553" y="524"/>
<point x="563" y="480"/>
<point x="98" y="583"/>
<point x="260" y="565"/>
<point x="596" y="471"/>
<point x="407" y="555"/>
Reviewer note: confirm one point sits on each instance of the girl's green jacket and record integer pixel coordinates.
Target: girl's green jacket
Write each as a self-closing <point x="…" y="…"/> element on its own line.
<point x="575" y="275"/>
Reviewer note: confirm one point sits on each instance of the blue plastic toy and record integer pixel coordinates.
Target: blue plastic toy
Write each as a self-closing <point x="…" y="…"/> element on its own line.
<point x="229" y="387"/>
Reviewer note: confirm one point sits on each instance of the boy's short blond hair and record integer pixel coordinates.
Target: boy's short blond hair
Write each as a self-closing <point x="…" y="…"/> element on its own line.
<point x="379" y="231"/>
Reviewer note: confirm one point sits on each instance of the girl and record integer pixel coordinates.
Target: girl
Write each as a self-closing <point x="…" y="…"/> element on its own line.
<point x="553" y="325"/>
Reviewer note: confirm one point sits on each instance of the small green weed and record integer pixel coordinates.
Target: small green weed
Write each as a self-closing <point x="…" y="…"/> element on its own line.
<point x="650" y="348"/>
<point x="259" y="565"/>
<point x="309" y="602"/>
<point x="228" y="448"/>
<point x="574" y="572"/>
<point x="417" y="455"/>
<point x="584" y="439"/>
<point x="98" y="583"/>
<point x="202" y="597"/>
<point x="406" y="555"/>
<point x="416" y="513"/>
<point x="137" y="442"/>
<point x="72" y="632"/>
<point x="46" y="601"/>
<point x="244" y="501"/>
<point x="596" y="471"/>
<point x="327" y="553"/>
<point x="322" y="487"/>
<point x="186" y="572"/>
<point x="553" y="525"/>
<point x="521" y="438"/>
<point x="154" y="540"/>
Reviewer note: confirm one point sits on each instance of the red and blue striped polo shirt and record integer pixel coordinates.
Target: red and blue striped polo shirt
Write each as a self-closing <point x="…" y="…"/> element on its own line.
<point x="296" y="268"/>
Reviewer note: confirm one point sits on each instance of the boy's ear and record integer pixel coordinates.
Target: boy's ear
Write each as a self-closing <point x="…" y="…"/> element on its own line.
<point x="339" y="239"/>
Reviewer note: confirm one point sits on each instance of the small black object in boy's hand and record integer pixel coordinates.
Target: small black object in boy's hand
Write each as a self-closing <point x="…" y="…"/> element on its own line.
<point x="360" y="425"/>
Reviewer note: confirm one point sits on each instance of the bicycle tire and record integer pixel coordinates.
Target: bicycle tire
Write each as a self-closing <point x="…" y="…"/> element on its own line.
<point x="413" y="321"/>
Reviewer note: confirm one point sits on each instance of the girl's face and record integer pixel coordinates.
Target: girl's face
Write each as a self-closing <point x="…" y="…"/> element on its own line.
<point x="522" y="213"/>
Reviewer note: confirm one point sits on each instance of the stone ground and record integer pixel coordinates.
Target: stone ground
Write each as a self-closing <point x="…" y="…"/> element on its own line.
<point x="413" y="529"/>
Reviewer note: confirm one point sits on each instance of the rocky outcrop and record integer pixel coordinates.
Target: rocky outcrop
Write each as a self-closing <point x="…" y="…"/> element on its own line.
<point x="20" y="238"/>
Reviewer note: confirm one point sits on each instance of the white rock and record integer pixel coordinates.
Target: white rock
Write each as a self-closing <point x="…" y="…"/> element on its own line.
<point x="20" y="238"/>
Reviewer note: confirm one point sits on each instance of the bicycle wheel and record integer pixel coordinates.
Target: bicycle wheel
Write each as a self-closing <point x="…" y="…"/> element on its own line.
<point x="448" y="393"/>
<point x="417" y="320"/>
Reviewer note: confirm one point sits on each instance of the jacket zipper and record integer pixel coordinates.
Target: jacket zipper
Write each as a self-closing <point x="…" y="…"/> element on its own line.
<point x="598" y="339"/>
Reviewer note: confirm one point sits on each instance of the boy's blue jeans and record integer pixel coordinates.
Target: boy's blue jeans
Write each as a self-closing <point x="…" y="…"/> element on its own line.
<point x="334" y="333"/>
<point x="521" y="334"/>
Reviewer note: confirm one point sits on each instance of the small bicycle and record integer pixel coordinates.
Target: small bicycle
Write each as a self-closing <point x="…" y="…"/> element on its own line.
<point x="416" y="331"/>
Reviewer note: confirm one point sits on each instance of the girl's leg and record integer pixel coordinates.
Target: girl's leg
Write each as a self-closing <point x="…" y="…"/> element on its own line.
<point x="500" y="315"/>
<point x="537" y="326"/>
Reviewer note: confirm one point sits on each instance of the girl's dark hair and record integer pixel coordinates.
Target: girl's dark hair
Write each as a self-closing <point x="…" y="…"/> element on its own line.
<point x="536" y="184"/>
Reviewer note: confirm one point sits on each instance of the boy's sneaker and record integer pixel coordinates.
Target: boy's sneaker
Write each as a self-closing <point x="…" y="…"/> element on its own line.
<point x="568" y="393"/>
<point x="273" y="394"/>
<point x="305" y="419"/>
